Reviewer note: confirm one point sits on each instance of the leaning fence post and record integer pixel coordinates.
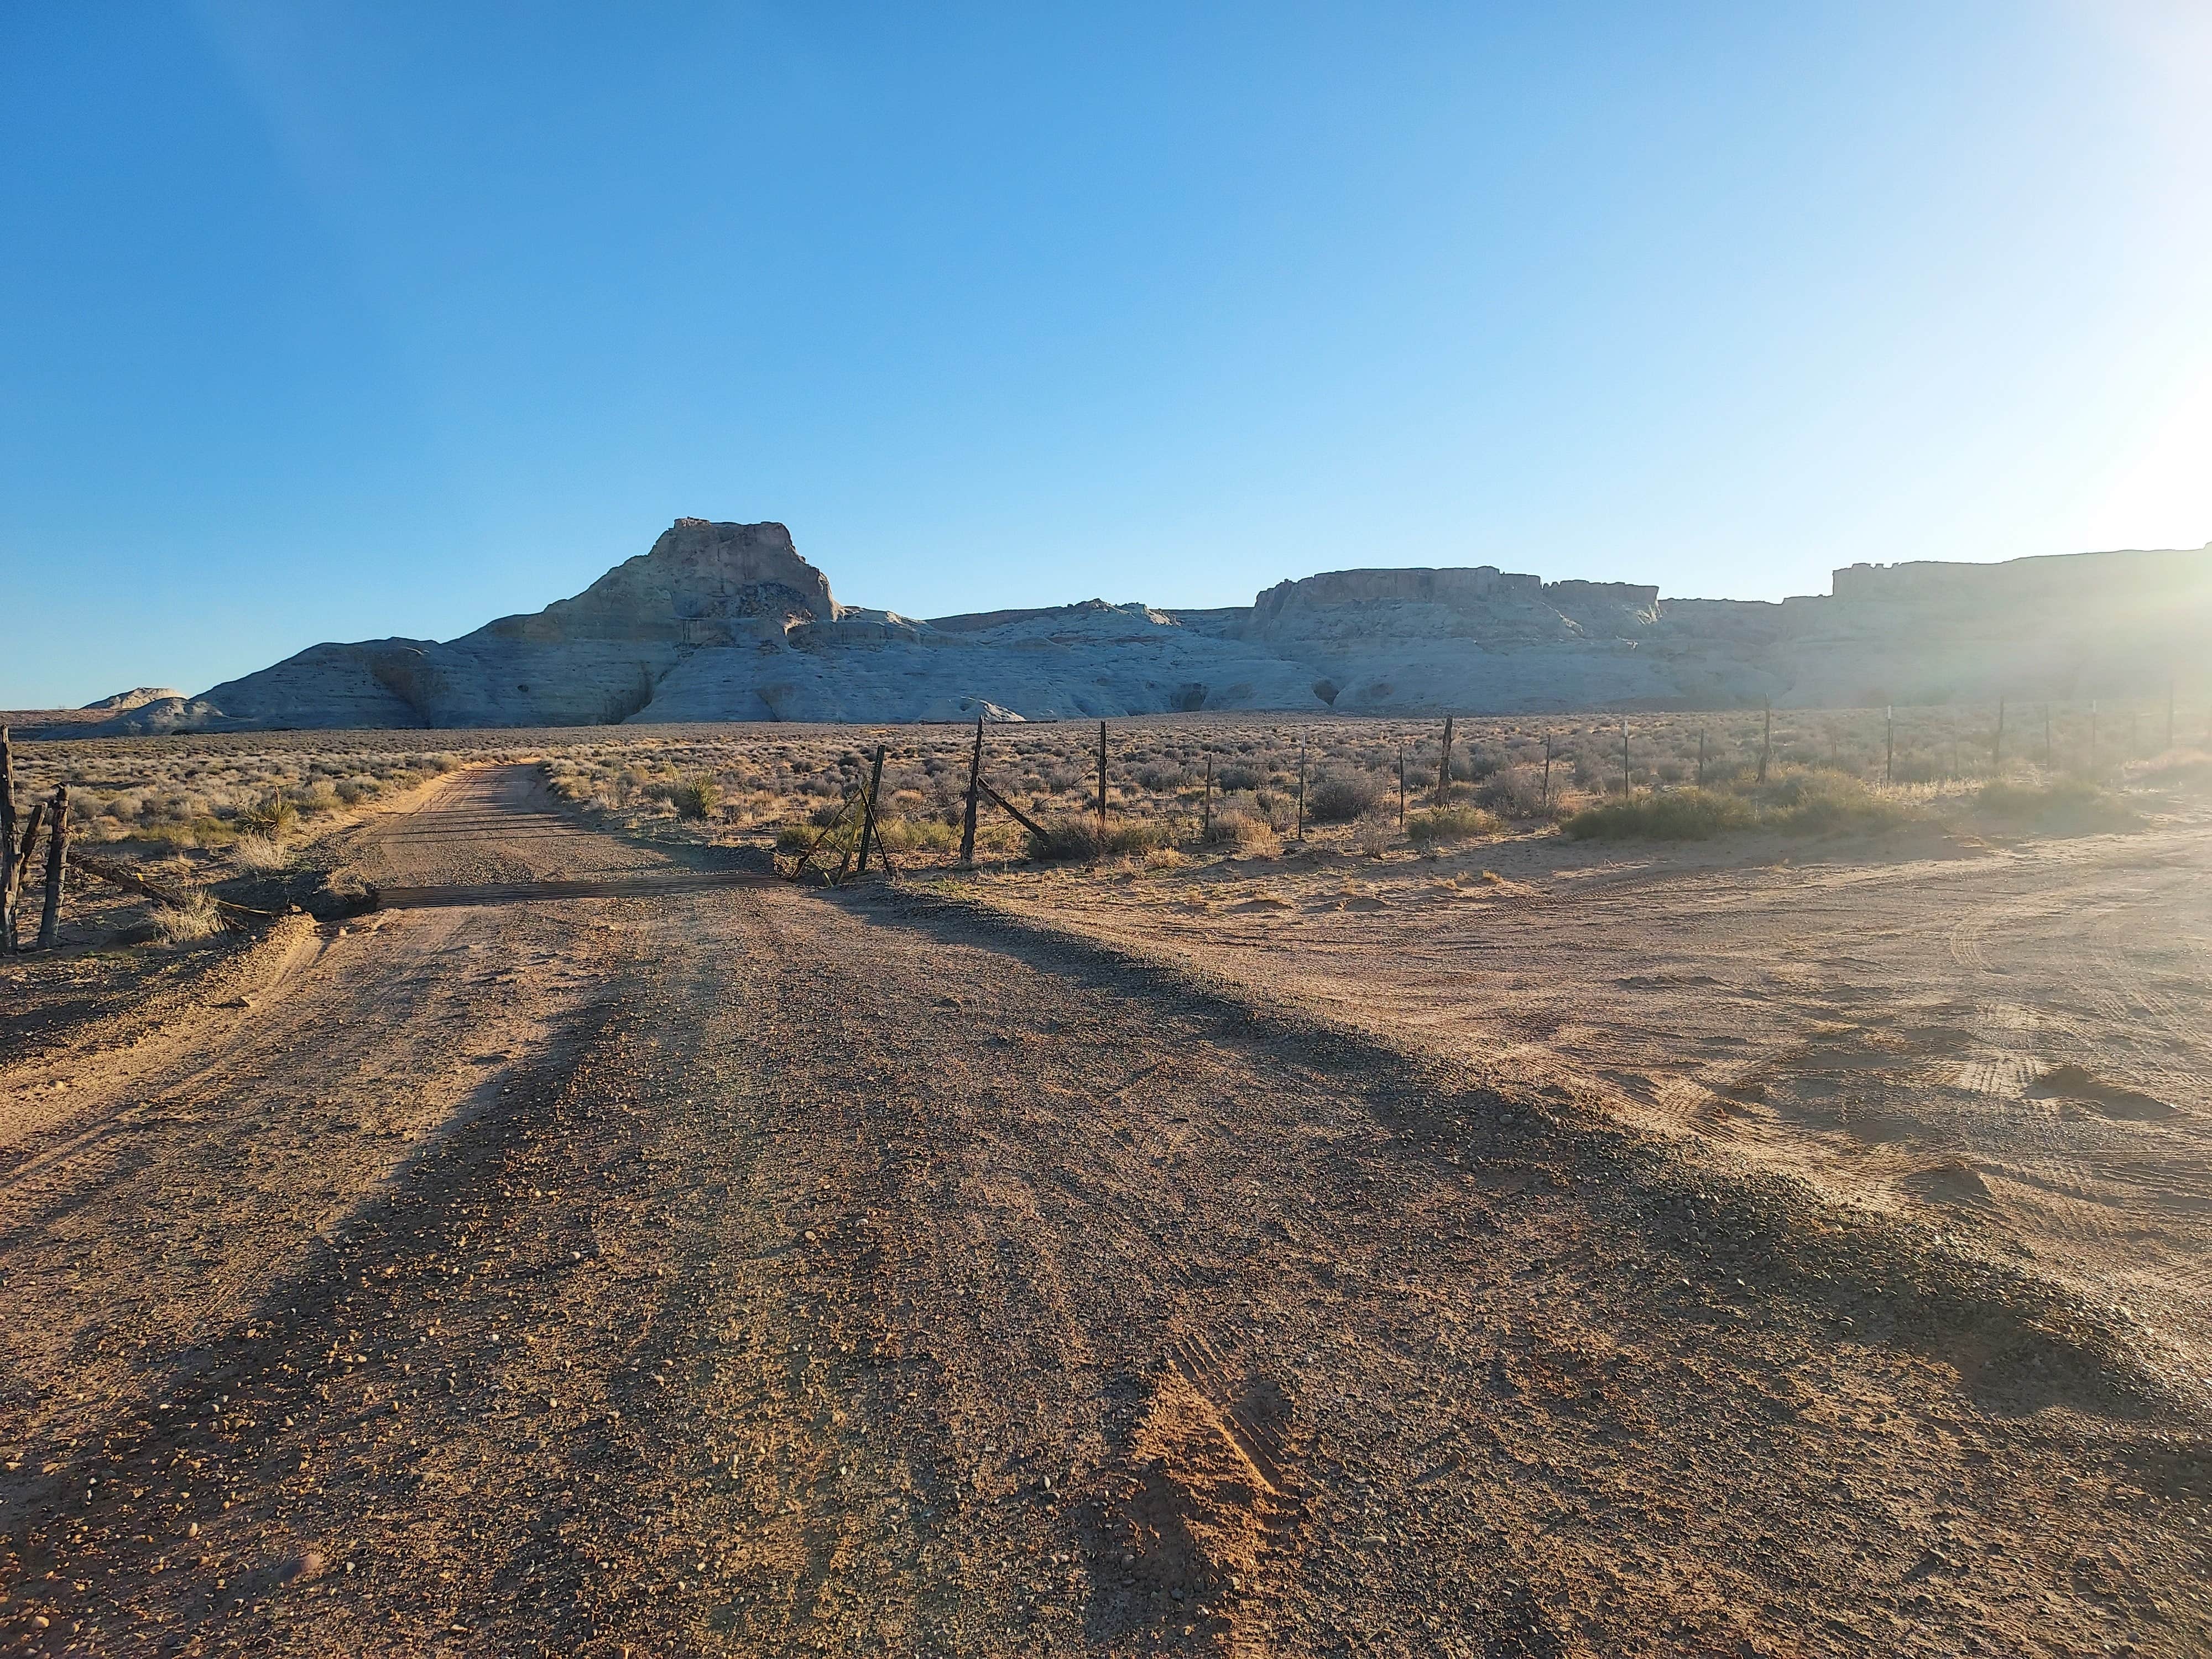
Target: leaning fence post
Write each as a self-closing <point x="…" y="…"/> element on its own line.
<point x="868" y="813"/>
<point x="1101" y="780"/>
<point x="1301" y="786"/>
<point x="1443" y="766"/>
<point x="1544" y="795"/>
<point x="24" y="848"/>
<point x="1205" y="809"/>
<point x="1402" y="783"/>
<point x="974" y="779"/>
<point x="7" y="843"/>
<point x="49" y="924"/>
<point x="1701" y="758"/>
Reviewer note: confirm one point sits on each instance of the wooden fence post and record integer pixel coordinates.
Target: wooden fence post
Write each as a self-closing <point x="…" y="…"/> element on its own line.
<point x="49" y="924"/>
<point x="868" y="813"/>
<point x="1402" y="783"/>
<point x="24" y="848"/>
<point x="1766" y="740"/>
<point x="1701" y="758"/>
<point x="1443" y="766"/>
<point x="1206" y="811"/>
<point x="1544" y="795"/>
<point x="1301" y="786"/>
<point x="974" y="779"/>
<point x="7" y="843"/>
<point x="1625" y="789"/>
<point x="1101" y="780"/>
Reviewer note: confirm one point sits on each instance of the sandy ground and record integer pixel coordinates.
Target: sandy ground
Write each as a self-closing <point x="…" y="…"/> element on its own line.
<point x="676" y="1268"/>
<point x="2009" y="1041"/>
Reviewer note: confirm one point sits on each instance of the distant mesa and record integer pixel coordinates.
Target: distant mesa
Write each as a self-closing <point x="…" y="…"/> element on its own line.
<point x="726" y="622"/>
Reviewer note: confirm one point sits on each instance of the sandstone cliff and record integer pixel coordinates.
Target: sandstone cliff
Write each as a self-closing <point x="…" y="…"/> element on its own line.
<point x="726" y="622"/>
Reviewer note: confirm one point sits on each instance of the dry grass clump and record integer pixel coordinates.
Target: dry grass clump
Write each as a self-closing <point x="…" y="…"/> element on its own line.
<point x="1803" y="801"/>
<point x="1818" y="802"/>
<point x="1253" y="836"/>
<point x="1439" y="824"/>
<point x="187" y="922"/>
<point x="1690" y="814"/>
<point x="835" y="832"/>
<point x="2061" y="806"/>
<point x="1073" y="837"/>
<point x="259" y="853"/>
<point x="2189" y="769"/>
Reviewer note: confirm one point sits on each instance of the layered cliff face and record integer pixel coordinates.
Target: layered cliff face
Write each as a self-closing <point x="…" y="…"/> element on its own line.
<point x="702" y="584"/>
<point x="726" y="622"/>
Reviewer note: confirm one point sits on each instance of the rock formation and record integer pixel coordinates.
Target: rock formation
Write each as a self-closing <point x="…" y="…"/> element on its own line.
<point x="726" y="622"/>
<point x="136" y="697"/>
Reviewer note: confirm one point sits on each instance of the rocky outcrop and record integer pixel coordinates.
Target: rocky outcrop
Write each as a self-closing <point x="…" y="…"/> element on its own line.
<point x="136" y="697"/>
<point x="726" y="622"/>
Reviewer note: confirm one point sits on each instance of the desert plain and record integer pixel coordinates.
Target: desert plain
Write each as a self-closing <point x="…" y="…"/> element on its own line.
<point x="493" y="1211"/>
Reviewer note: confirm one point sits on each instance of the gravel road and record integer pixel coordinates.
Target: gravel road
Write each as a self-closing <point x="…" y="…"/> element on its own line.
<point x="666" y="1268"/>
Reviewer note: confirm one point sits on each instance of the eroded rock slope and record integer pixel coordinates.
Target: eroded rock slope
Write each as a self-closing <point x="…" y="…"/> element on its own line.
<point x="727" y="622"/>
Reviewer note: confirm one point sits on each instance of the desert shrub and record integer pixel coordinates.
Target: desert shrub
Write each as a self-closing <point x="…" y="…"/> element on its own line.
<point x="1067" y="837"/>
<point x="2176" y="768"/>
<point x="1162" y="777"/>
<point x="182" y="924"/>
<point x="1674" y="815"/>
<point x="1237" y="776"/>
<point x="1447" y="823"/>
<point x="1818" y="802"/>
<point x="1341" y="797"/>
<point x="1251" y="836"/>
<point x="271" y="816"/>
<point x="1373" y="837"/>
<point x="320" y="796"/>
<point x="2065" y="806"/>
<point x="1515" y="792"/>
<point x="1076" y="835"/>
<point x="1474" y="762"/>
<point x="695" y="798"/>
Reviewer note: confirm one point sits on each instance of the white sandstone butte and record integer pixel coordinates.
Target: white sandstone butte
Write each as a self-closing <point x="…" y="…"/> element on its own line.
<point x="726" y="622"/>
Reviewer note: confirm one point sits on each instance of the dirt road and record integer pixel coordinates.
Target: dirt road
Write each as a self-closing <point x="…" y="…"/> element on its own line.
<point x="680" y="1269"/>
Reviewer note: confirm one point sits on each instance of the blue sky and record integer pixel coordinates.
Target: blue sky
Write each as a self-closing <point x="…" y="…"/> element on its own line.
<point x="337" y="321"/>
